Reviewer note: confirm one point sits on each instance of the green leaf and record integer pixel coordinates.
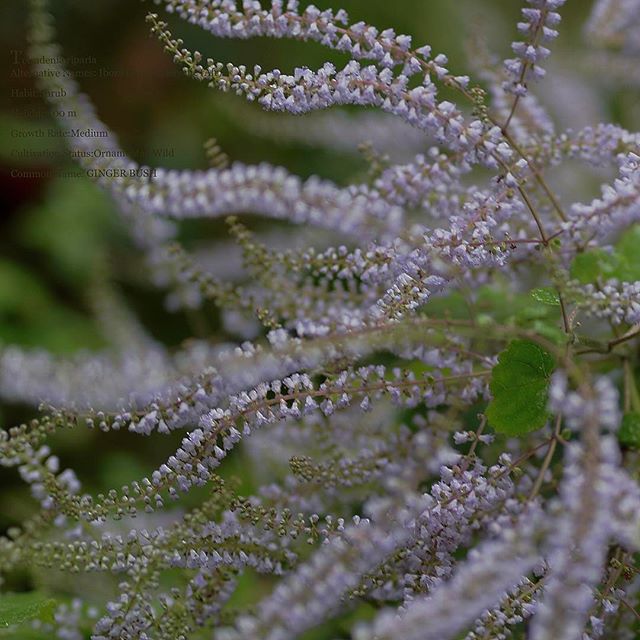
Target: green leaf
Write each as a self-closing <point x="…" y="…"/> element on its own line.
<point x="17" y="608"/>
<point x="595" y="265"/>
<point x="622" y="263"/>
<point x="627" y="248"/>
<point x="519" y="386"/>
<point x="629" y="432"/>
<point x="23" y="632"/>
<point x="547" y="295"/>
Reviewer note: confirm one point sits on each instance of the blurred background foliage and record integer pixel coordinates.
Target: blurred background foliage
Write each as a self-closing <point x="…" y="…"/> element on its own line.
<point x="59" y="237"/>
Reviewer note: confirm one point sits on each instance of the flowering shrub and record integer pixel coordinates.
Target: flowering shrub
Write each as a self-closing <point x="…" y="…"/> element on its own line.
<point x="440" y="402"/>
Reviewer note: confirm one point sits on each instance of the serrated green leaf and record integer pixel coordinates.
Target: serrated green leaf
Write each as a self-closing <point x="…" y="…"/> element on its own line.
<point x="519" y="386"/>
<point x="546" y="295"/>
<point x="629" y="432"/>
<point x="17" y="608"/>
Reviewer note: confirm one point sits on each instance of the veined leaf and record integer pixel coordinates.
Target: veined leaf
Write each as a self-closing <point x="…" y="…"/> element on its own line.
<point x="520" y="385"/>
<point x="17" y="608"/>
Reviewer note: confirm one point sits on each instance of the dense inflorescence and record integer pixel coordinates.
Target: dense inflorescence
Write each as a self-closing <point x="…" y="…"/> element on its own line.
<point x="439" y="404"/>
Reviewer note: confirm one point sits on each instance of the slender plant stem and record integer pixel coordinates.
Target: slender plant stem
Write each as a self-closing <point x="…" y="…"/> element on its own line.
<point x="547" y="459"/>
